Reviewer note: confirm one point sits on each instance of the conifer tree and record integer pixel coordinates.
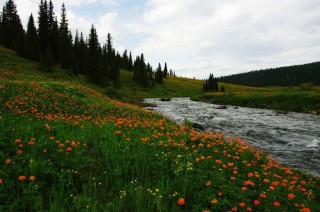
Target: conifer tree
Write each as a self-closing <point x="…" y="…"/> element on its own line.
<point x="12" y="33"/>
<point x="65" y="40"/>
<point x="31" y="41"/>
<point x="94" y="53"/>
<point x="211" y="84"/>
<point x="43" y="27"/>
<point x="130" y="63"/>
<point x="82" y="55"/>
<point x="159" y="75"/>
<point x="53" y="33"/>
<point x="165" y="71"/>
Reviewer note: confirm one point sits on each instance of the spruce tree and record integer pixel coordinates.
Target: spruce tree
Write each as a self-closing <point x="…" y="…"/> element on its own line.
<point x="31" y="41"/>
<point x="53" y="33"/>
<point x="43" y="27"/>
<point x="130" y="63"/>
<point x="65" y="40"/>
<point x="94" y="53"/>
<point x="159" y="75"/>
<point x="12" y="33"/>
<point x="165" y="71"/>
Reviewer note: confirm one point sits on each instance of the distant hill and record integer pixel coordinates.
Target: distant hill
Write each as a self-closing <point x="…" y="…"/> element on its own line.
<point x="282" y="76"/>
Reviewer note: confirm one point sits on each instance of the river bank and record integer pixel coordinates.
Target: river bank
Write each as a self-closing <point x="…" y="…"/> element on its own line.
<point x="291" y="138"/>
<point x="306" y="102"/>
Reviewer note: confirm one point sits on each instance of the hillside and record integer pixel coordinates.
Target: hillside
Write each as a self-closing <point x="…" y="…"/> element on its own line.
<point x="65" y="146"/>
<point x="282" y="76"/>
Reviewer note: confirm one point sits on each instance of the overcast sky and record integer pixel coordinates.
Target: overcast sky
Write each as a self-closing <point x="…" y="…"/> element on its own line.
<point x="198" y="37"/>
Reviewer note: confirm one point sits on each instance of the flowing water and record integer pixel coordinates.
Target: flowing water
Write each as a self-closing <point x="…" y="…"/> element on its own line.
<point x="292" y="138"/>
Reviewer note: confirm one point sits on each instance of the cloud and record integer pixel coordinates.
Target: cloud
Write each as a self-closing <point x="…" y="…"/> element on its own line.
<point x="230" y="36"/>
<point x="197" y="38"/>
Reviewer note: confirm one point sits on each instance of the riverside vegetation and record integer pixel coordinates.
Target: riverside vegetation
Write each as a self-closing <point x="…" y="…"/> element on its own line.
<point x="303" y="98"/>
<point x="68" y="147"/>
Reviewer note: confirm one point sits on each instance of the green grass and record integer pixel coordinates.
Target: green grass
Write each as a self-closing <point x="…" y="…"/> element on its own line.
<point x="65" y="146"/>
<point x="130" y="91"/>
<point x="277" y="98"/>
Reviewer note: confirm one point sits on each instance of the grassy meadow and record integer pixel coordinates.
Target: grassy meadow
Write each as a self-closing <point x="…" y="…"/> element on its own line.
<point x="66" y="146"/>
<point x="297" y="99"/>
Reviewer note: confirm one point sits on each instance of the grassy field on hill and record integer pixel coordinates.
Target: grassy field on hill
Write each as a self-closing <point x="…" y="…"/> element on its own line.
<point x="65" y="146"/>
<point x="298" y="99"/>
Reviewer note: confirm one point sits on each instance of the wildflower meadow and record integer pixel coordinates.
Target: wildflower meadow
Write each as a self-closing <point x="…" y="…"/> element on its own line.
<point x="67" y="147"/>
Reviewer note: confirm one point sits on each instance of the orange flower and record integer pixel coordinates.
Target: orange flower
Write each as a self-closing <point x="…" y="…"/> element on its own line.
<point x="22" y="177"/>
<point x="214" y="201"/>
<point x="276" y="204"/>
<point x="181" y="201"/>
<point x="1" y="181"/>
<point x="305" y="210"/>
<point x="256" y="202"/>
<point x="208" y="183"/>
<point x="8" y="161"/>
<point x="18" y="140"/>
<point x="197" y="159"/>
<point x="242" y="204"/>
<point x="19" y="152"/>
<point x="291" y="196"/>
<point x="32" y="178"/>
<point x="218" y="161"/>
<point x="263" y="195"/>
<point x="250" y="174"/>
<point x="249" y="209"/>
<point x="230" y="164"/>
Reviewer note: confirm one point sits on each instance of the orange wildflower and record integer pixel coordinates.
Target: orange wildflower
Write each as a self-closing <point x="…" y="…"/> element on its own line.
<point x="249" y="209"/>
<point x="242" y="204"/>
<point x="218" y="161"/>
<point x="1" y="181"/>
<point x="276" y="204"/>
<point x="214" y="201"/>
<point x="19" y="152"/>
<point x="305" y="210"/>
<point x="18" y="140"/>
<point x="32" y="178"/>
<point x="263" y="195"/>
<point x="8" y="161"/>
<point x="22" y="177"/>
<point x="181" y="201"/>
<point x="256" y="202"/>
<point x="291" y="196"/>
<point x="208" y="183"/>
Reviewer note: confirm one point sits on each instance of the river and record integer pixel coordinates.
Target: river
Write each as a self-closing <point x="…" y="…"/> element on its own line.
<point x="291" y="138"/>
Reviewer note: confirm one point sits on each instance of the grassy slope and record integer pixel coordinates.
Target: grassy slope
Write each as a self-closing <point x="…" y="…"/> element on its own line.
<point x="278" y="98"/>
<point x="130" y="91"/>
<point x="67" y="147"/>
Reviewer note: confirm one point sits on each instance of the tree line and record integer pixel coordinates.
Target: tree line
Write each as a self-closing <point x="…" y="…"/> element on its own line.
<point x="283" y="76"/>
<point x="51" y="43"/>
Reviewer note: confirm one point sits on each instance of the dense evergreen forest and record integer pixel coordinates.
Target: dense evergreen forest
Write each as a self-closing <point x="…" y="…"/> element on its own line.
<point x="283" y="76"/>
<point x="52" y="43"/>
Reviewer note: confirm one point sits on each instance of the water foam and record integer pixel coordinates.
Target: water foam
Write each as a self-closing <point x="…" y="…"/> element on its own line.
<point x="314" y="143"/>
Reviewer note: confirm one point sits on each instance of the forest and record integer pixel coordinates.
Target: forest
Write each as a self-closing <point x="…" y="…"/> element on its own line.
<point x="283" y="76"/>
<point x="52" y="43"/>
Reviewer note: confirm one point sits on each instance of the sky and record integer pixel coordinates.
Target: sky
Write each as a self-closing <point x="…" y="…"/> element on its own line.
<point x="196" y="38"/>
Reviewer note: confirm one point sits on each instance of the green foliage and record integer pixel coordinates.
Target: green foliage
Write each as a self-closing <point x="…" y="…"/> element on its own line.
<point x="187" y="122"/>
<point x="307" y="86"/>
<point x="287" y="101"/>
<point x="112" y="93"/>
